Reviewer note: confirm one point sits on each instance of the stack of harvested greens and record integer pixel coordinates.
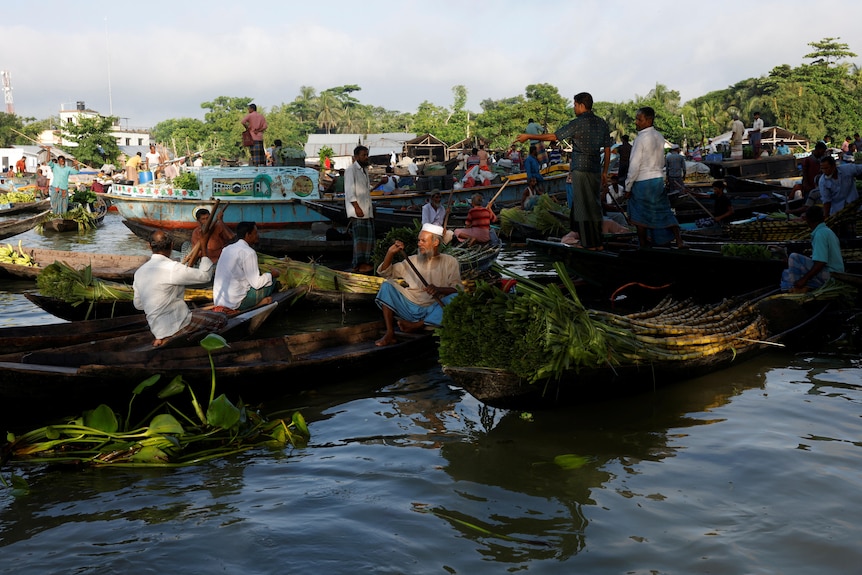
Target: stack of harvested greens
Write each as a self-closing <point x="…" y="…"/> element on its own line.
<point x="544" y="332"/>
<point x="293" y="273"/>
<point x="541" y="217"/>
<point x="59" y="280"/>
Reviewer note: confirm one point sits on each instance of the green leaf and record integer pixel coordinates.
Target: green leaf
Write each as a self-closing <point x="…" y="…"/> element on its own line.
<point x="150" y="454"/>
<point x="145" y="384"/>
<point x="299" y="422"/>
<point x="10" y="437"/>
<point x="222" y="413"/>
<point x="571" y="461"/>
<point x="213" y="342"/>
<point x="102" y="418"/>
<point x="165" y="423"/>
<point x="19" y="485"/>
<point x="176" y="386"/>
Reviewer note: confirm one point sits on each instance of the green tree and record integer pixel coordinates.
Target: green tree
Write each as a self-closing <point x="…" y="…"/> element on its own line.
<point x="223" y="121"/>
<point x="329" y="111"/>
<point x="95" y="143"/>
<point x="9" y="125"/>
<point x="184" y="135"/>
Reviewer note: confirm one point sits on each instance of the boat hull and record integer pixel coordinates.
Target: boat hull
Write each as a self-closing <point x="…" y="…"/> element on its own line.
<point x="268" y="196"/>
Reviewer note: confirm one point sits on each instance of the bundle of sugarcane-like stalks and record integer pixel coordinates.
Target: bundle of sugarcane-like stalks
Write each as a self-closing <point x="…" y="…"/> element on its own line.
<point x="293" y="273"/>
<point x="545" y="331"/>
<point x="682" y="330"/>
<point x="790" y="230"/>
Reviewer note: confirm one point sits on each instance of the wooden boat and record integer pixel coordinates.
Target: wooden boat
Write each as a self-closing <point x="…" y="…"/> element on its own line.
<point x="703" y="274"/>
<point x="555" y="184"/>
<point x="266" y="195"/>
<point x="114" y="267"/>
<point x="272" y="242"/>
<point x="79" y="376"/>
<point x="26" y="207"/>
<point x="771" y="167"/>
<point x="505" y="389"/>
<point x="92" y="310"/>
<point x="9" y="228"/>
<point x="26" y="338"/>
<point x="86" y="311"/>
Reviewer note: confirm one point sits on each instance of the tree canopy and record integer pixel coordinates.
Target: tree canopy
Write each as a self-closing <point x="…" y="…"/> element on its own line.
<point x="814" y="99"/>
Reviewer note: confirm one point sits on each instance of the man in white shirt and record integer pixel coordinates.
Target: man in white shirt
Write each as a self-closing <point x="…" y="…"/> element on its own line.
<point x="648" y="205"/>
<point x="737" y="132"/>
<point x="153" y="160"/>
<point x="159" y="287"/>
<point x="754" y="135"/>
<point x="238" y="282"/>
<point x="360" y="210"/>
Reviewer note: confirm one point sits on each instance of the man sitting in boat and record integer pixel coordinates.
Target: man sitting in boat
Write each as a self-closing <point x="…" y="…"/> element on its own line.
<point x="804" y="273"/>
<point x="433" y="212"/>
<point x="217" y="237"/>
<point x="159" y="288"/>
<point x="433" y="280"/>
<point x="722" y="207"/>
<point x="238" y="283"/>
<point x="479" y="220"/>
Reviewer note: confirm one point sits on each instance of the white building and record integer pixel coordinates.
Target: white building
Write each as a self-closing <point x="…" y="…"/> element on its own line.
<point x="124" y="136"/>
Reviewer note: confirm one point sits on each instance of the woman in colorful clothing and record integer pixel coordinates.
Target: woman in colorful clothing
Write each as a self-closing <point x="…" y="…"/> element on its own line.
<point x="479" y="220"/>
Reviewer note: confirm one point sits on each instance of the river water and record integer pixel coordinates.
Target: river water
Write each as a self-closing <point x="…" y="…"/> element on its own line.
<point x="755" y="469"/>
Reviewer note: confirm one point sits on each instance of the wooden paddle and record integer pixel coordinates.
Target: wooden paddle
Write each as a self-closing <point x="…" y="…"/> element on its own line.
<point x="422" y="279"/>
<point x="497" y="195"/>
<point x="193" y="255"/>
<point x="708" y="213"/>
<point x="447" y="237"/>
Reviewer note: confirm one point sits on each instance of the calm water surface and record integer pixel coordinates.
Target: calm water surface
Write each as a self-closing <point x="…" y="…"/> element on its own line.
<point x="755" y="469"/>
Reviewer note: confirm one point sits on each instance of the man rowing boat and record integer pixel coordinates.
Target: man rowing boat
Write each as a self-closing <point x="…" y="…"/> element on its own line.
<point x="433" y="280"/>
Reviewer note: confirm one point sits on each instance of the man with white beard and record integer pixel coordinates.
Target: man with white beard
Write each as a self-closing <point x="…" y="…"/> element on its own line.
<point x="433" y="280"/>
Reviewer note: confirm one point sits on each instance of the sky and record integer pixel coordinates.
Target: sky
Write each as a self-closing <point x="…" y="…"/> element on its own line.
<point x="146" y="62"/>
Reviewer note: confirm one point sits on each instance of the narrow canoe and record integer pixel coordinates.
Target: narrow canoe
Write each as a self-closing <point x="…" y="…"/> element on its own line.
<point x="84" y="375"/>
<point x="11" y="228"/>
<point x="114" y="267"/>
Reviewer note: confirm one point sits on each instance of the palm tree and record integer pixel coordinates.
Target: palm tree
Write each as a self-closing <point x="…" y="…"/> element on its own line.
<point x="329" y="111"/>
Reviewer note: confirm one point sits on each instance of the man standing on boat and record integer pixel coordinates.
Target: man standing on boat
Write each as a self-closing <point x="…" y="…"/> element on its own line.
<point x="433" y="279"/>
<point x="59" y="192"/>
<point x="737" y="133"/>
<point x="648" y="204"/>
<point x="159" y="288"/>
<point x="591" y="153"/>
<point x="255" y="123"/>
<point x="674" y="164"/>
<point x="238" y="283"/>
<point x="360" y="211"/>
<point x="754" y="135"/>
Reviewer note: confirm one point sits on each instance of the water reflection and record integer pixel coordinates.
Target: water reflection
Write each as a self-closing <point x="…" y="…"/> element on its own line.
<point x="512" y="475"/>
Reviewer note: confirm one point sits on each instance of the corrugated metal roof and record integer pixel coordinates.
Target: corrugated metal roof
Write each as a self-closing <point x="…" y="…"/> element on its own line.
<point x="343" y="144"/>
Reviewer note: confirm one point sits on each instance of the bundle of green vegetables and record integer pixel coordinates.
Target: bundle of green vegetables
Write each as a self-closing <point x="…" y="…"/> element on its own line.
<point x="85" y="218"/>
<point x="543" y="331"/>
<point x="540" y="217"/>
<point x="61" y="281"/>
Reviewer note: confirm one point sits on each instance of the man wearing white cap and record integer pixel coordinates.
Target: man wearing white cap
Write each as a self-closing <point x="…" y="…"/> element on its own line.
<point x="432" y="280"/>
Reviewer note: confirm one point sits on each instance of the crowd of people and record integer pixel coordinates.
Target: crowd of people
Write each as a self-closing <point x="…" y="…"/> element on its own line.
<point x="634" y="196"/>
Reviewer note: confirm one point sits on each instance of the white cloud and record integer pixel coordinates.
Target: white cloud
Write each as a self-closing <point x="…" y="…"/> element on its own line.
<point x="167" y="58"/>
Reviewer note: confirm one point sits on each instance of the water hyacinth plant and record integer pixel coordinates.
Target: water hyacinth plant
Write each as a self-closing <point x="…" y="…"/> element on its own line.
<point x="168" y="438"/>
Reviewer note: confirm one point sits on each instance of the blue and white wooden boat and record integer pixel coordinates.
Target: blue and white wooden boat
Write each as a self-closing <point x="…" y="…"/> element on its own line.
<point x="268" y="196"/>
